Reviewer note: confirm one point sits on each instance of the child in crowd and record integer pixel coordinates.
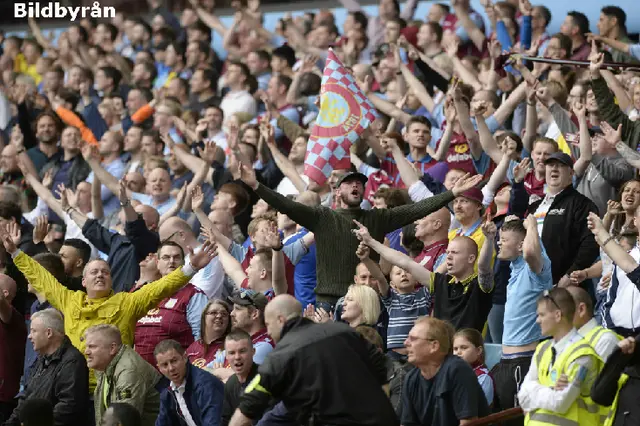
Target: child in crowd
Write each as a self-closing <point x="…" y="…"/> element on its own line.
<point x="469" y="345"/>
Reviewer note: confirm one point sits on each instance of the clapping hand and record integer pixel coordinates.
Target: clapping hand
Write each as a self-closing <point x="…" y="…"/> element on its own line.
<point x="41" y="229"/>
<point x="521" y="169"/>
<point x="197" y="198"/>
<point x="594" y="223"/>
<point x="610" y="135"/>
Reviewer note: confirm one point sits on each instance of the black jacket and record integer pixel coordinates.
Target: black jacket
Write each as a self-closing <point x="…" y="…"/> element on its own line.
<point x="568" y="242"/>
<point x="125" y="252"/>
<point x="325" y="374"/>
<point x="233" y="390"/>
<point x="78" y="172"/>
<point x="62" y="379"/>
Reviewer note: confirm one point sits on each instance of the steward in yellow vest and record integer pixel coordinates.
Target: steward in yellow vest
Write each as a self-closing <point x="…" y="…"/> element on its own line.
<point x="556" y="389"/>
<point x="618" y="385"/>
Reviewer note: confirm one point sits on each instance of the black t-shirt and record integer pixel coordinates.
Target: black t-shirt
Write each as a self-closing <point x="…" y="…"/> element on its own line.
<point x="463" y="305"/>
<point x="453" y="394"/>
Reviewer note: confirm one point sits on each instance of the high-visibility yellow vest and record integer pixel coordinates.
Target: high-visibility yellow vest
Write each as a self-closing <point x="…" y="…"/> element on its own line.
<point x="583" y="411"/>
<point x="593" y="337"/>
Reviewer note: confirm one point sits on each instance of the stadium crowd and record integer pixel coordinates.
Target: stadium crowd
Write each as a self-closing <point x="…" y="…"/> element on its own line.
<point x="168" y="258"/>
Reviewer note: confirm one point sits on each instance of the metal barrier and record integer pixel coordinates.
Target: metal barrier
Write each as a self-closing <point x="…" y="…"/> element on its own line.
<point x="497" y="418"/>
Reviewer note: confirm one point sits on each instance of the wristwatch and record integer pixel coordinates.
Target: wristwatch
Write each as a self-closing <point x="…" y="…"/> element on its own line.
<point x="125" y="204"/>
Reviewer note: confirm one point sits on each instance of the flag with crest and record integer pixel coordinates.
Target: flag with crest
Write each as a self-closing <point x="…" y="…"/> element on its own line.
<point x="345" y="112"/>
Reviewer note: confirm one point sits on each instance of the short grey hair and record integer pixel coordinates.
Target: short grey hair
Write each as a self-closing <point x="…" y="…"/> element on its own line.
<point x="51" y="319"/>
<point x="95" y="259"/>
<point x="111" y="332"/>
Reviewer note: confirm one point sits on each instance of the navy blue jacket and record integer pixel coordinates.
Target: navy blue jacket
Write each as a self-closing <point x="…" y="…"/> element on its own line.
<point x="204" y="394"/>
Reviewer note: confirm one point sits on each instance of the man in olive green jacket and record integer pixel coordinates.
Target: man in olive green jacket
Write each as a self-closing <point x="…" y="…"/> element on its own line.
<point x="122" y="374"/>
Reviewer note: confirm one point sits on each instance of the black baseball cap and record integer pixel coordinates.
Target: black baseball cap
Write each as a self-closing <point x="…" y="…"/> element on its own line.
<point x="352" y="176"/>
<point x="250" y="298"/>
<point x="560" y="157"/>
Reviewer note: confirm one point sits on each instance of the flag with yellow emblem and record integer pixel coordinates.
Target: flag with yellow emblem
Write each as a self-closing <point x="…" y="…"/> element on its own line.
<point x="345" y="112"/>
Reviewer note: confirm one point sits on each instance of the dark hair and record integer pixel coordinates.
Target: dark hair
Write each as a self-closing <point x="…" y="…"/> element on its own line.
<point x="565" y="43"/>
<point x="238" y="334"/>
<point x="546" y="14"/>
<point x="244" y="69"/>
<point x="113" y="74"/>
<point x="151" y="69"/>
<point x="418" y="119"/>
<point x="239" y="194"/>
<point x="517" y="139"/>
<point x="37" y="412"/>
<point x="283" y="80"/>
<point x="616" y="12"/>
<point x="285" y="52"/>
<point x="170" y="244"/>
<point x="392" y="197"/>
<point x="361" y="19"/>
<point x="203" y="28"/>
<point x="70" y="96"/>
<point x="147" y="27"/>
<point x="34" y="43"/>
<point x="474" y="337"/>
<point x="166" y="34"/>
<point x="210" y="75"/>
<point x="580" y="20"/>
<point x="126" y="414"/>
<point x="83" y="248"/>
<point x="262" y="55"/>
<point x="436" y="29"/>
<point x="310" y="84"/>
<point x="52" y="263"/>
<point x="10" y="210"/>
<point x="82" y="31"/>
<point x="409" y="241"/>
<point x="145" y="92"/>
<point x="113" y="30"/>
<point x="166" y="345"/>
<point x="52" y="115"/>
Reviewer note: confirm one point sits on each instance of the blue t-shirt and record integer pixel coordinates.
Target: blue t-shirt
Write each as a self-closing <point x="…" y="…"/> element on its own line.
<point x="403" y="311"/>
<point x="304" y="275"/>
<point x="523" y="290"/>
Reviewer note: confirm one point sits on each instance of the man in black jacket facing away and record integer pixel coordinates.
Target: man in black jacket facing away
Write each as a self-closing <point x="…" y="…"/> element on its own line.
<point x="60" y="374"/>
<point x="562" y="221"/>
<point x="325" y="374"/>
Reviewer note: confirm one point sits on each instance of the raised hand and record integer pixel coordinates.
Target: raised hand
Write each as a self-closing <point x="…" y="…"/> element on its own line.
<point x="594" y="223"/>
<point x="197" y="198"/>
<point x="90" y="152"/>
<point x="47" y="179"/>
<point x="525" y="7"/>
<point x="610" y="135"/>
<point x="579" y="109"/>
<point x="309" y="312"/>
<point x="41" y="229"/>
<point x="208" y="234"/>
<point x="201" y="127"/>
<point x="596" y="59"/>
<point x="465" y="183"/>
<point x="206" y="254"/>
<point x="308" y="63"/>
<point x="521" y="169"/>
<point x="362" y="233"/>
<point x="363" y="251"/>
<point x="15" y="233"/>
<point x="210" y="152"/>
<point x="614" y="208"/>
<point x="168" y="141"/>
<point x="530" y="223"/>
<point x="182" y="195"/>
<point x="7" y="241"/>
<point x="388" y="144"/>
<point x="248" y="175"/>
<point x="122" y="193"/>
<point x="321" y="316"/>
<point x="489" y="230"/>
<point x="479" y="108"/>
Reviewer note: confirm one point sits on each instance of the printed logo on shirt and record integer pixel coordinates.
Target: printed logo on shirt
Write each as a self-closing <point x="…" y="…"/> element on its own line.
<point x="123" y="394"/>
<point x="425" y="260"/>
<point x="533" y="197"/>
<point x="556" y="212"/>
<point x="171" y="303"/>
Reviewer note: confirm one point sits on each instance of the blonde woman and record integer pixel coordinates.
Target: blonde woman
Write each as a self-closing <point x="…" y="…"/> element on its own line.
<point x="361" y="306"/>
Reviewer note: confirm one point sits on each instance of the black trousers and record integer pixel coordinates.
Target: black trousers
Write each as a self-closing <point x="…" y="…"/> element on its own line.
<point x="508" y="375"/>
<point x="6" y="409"/>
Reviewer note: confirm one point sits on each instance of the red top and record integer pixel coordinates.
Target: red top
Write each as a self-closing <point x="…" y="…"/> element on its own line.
<point x="167" y="321"/>
<point x="13" y="337"/>
<point x="431" y="253"/>
<point x="459" y="154"/>
<point x="534" y="186"/>
<point x="197" y="355"/>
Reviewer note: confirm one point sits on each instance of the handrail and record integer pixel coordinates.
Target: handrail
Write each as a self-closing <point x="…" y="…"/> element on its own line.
<point x="501" y="416"/>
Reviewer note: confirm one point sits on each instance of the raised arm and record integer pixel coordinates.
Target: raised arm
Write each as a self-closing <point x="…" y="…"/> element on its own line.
<point x="422" y="275"/>
<point x="231" y="266"/>
<point x="464" y="118"/>
<point x="374" y="269"/>
<point x="299" y="213"/>
<point x="614" y="138"/>
<point x="485" y="257"/>
<point x="91" y="156"/>
<point x="618" y="255"/>
<point x="285" y="165"/>
<point x="407" y="173"/>
<point x="585" y="140"/>
<point x="531" y="247"/>
<point x="487" y="141"/>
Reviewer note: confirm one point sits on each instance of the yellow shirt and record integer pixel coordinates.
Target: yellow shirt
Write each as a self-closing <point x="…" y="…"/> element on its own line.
<point x="21" y="66"/>
<point x="476" y="236"/>
<point x="120" y="309"/>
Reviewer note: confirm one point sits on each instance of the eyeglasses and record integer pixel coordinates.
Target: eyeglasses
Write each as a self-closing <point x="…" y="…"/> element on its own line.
<point x="547" y="295"/>
<point x="426" y="339"/>
<point x="220" y="313"/>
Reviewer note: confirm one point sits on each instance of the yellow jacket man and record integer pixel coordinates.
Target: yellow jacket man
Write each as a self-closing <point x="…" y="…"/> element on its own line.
<point x="556" y="389"/>
<point x="100" y="305"/>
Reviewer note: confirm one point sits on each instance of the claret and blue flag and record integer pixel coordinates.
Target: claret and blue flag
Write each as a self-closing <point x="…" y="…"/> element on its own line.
<point x="345" y="112"/>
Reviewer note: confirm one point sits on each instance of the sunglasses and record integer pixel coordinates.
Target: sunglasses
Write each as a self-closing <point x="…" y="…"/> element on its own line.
<point x="547" y="295"/>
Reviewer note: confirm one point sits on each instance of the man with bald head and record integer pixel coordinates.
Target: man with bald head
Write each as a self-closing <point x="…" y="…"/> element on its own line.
<point x="13" y="335"/>
<point x="211" y="278"/>
<point x="602" y="340"/>
<point x="125" y="252"/>
<point x="433" y="231"/>
<point x="318" y="371"/>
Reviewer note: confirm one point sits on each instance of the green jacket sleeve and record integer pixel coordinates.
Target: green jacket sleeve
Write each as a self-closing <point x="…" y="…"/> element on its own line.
<point x="290" y="129"/>
<point x="398" y="217"/>
<point x="611" y="113"/>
